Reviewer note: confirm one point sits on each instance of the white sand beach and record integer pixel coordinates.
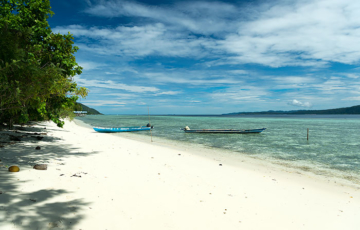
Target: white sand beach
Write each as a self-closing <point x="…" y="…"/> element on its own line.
<point x="104" y="181"/>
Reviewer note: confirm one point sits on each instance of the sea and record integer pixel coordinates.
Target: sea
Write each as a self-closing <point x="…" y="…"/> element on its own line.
<point x="326" y="145"/>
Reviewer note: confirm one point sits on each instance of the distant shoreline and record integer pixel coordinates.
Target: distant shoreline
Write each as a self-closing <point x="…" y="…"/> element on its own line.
<point x="338" y="111"/>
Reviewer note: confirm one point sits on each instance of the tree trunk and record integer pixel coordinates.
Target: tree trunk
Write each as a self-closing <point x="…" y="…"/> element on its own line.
<point x="10" y="123"/>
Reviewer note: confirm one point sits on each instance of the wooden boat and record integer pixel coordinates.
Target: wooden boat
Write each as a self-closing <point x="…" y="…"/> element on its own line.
<point x="238" y="131"/>
<point x="122" y="129"/>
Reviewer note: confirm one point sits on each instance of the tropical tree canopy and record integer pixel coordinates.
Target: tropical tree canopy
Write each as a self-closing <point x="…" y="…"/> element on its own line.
<point x="37" y="66"/>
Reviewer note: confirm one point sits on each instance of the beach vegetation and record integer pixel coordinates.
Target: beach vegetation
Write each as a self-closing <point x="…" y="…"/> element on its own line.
<point x="37" y="66"/>
<point x="90" y="111"/>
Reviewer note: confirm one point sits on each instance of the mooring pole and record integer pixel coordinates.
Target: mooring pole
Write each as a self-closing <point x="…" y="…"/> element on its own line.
<point x="150" y="124"/>
<point x="308" y="134"/>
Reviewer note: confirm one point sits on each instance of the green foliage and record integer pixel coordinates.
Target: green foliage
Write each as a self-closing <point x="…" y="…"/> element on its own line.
<point x="90" y="111"/>
<point x="36" y="66"/>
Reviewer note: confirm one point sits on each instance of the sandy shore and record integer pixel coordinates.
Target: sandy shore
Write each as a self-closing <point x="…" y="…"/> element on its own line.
<point x="102" y="181"/>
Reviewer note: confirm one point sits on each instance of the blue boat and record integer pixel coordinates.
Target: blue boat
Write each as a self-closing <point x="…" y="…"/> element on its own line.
<point x="122" y="129"/>
<point x="238" y="131"/>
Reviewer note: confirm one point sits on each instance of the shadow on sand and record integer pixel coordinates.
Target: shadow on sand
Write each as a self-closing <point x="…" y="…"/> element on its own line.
<point x="37" y="209"/>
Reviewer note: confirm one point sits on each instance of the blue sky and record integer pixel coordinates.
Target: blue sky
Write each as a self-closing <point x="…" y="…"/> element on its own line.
<point x="214" y="57"/>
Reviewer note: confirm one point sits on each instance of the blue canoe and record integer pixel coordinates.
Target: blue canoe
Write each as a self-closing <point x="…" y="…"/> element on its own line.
<point x="239" y="131"/>
<point x="121" y="129"/>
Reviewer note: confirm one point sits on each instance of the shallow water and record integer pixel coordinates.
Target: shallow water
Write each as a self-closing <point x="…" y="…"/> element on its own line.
<point x="333" y="147"/>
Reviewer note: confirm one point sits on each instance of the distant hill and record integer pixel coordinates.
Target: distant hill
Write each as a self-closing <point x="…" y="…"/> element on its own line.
<point x="90" y="111"/>
<point x="347" y="110"/>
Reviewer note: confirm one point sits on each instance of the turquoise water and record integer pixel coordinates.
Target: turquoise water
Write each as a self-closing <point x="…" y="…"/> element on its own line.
<point x="333" y="145"/>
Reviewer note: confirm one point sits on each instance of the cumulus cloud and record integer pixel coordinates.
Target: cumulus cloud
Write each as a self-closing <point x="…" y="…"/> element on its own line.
<point x="137" y="41"/>
<point x="275" y="34"/>
<point x="197" y="17"/>
<point x="109" y="84"/>
<point x="298" y="33"/>
<point x="177" y="48"/>
<point x="300" y="104"/>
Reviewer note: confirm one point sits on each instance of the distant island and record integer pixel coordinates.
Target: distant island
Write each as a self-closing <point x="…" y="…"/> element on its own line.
<point x="90" y="111"/>
<point x="347" y="110"/>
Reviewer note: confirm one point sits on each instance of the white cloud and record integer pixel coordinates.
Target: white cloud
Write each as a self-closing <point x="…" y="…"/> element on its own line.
<point x="239" y="94"/>
<point x="189" y="78"/>
<point x="168" y="93"/>
<point x="352" y="75"/>
<point x="332" y="85"/>
<point x="280" y="33"/>
<point x="198" y="17"/>
<point x="121" y="95"/>
<point x="299" y="33"/>
<point x="292" y="82"/>
<point x="352" y="99"/>
<point x="170" y="53"/>
<point x="238" y="72"/>
<point x="113" y="85"/>
<point x="103" y="103"/>
<point x="295" y="79"/>
<point x="89" y="65"/>
<point x="300" y="104"/>
<point x="137" y="41"/>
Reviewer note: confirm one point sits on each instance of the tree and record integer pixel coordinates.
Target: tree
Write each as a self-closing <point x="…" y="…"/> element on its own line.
<point x="36" y="66"/>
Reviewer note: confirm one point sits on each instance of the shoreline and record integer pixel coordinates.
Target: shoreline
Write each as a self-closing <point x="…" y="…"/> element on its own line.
<point x="237" y="159"/>
<point x="97" y="181"/>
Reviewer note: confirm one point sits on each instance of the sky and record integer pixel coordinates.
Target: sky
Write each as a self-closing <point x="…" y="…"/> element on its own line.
<point x="214" y="57"/>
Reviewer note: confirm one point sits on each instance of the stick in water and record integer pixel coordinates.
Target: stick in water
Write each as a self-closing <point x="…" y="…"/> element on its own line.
<point x="308" y="134"/>
<point x="150" y="124"/>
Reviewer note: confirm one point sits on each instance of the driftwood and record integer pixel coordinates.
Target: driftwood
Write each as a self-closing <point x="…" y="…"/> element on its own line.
<point x="40" y="166"/>
<point x="29" y="132"/>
